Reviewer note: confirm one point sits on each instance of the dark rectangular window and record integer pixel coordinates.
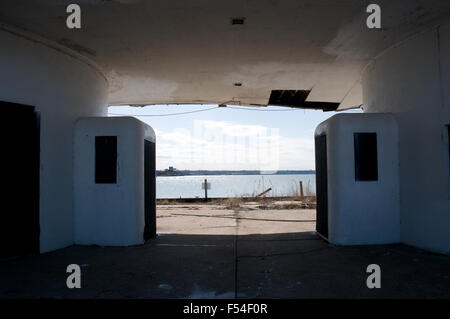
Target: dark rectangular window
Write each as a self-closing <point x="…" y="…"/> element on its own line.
<point x="105" y="159"/>
<point x="366" y="158"/>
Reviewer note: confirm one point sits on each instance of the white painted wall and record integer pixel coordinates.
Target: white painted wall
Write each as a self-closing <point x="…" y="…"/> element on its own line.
<point x="110" y="214"/>
<point x="362" y="212"/>
<point x="412" y="81"/>
<point x="62" y="87"/>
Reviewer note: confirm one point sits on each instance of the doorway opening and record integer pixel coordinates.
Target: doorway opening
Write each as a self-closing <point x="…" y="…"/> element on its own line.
<point x="150" y="190"/>
<point x="19" y="234"/>
<point x="321" y="185"/>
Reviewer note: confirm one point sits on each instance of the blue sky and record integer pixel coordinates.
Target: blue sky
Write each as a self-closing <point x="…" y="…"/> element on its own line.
<point x="233" y="138"/>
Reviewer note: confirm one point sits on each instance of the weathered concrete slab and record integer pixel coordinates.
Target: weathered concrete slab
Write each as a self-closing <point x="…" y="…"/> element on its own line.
<point x="172" y="266"/>
<point x="222" y="253"/>
<point x="317" y="270"/>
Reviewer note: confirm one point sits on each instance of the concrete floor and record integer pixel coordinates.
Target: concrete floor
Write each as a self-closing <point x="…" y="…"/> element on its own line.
<point x="208" y="251"/>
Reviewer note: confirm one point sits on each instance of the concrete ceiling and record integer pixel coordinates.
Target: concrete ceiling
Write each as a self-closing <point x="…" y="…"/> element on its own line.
<point x="164" y="51"/>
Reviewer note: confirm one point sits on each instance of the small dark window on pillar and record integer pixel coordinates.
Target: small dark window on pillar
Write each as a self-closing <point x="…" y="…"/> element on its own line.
<point x="106" y="159"/>
<point x="366" y="157"/>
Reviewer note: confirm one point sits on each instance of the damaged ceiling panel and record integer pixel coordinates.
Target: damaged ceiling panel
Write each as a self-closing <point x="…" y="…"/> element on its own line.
<point x="297" y="98"/>
<point x="166" y="51"/>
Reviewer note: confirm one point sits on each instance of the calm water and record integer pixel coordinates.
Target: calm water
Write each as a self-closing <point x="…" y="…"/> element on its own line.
<point x="233" y="185"/>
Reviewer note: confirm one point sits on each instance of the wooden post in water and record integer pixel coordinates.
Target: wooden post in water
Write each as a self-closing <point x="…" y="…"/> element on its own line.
<point x="206" y="189"/>
<point x="301" y="189"/>
<point x="265" y="192"/>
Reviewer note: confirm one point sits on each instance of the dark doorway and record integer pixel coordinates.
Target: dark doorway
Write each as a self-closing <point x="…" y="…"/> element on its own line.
<point x="322" y="185"/>
<point x="19" y="225"/>
<point x="150" y="190"/>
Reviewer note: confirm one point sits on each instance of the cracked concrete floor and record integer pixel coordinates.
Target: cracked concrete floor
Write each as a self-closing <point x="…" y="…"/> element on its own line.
<point x="208" y="251"/>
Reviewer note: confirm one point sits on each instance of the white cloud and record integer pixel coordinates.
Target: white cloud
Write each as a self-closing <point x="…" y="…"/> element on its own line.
<point x="225" y="145"/>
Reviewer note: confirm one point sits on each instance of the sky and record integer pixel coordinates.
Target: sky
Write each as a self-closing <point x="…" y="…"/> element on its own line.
<point x="231" y="138"/>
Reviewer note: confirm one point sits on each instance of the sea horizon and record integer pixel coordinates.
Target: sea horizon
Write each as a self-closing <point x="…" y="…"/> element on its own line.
<point x="225" y="186"/>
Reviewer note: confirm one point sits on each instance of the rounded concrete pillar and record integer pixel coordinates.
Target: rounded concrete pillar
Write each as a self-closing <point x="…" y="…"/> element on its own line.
<point x="412" y="81"/>
<point x="62" y="86"/>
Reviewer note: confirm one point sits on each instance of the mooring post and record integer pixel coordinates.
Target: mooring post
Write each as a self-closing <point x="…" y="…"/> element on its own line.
<point x="301" y="189"/>
<point x="206" y="189"/>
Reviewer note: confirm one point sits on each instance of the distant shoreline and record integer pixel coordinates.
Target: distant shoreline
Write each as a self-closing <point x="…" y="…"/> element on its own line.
<point x="243" y="172"/>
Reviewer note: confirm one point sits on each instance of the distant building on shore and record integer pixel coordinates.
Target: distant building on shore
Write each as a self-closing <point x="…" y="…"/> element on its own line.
<point x="171" y="171"/>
